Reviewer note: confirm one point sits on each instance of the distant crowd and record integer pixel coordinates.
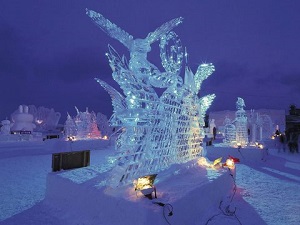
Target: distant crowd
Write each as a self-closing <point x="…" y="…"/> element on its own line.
<point x="290" y="140"/>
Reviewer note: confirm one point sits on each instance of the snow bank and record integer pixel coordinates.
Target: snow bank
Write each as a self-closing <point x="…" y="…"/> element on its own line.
<point x="28" y="148"/>
<point x="181" y="185"/>
<point x="246" y="155"/>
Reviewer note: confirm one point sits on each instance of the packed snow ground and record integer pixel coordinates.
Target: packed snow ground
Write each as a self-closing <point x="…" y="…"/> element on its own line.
<point x="267" y="190"/>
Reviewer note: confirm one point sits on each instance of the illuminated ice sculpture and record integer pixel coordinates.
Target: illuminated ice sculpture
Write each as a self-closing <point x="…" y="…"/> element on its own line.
<point x="261" y="126"/>
<point x="157" y="131"/>
<point x="83" y="126"/>
<point x="229" y="132"/>
<point x="241" y="123"/>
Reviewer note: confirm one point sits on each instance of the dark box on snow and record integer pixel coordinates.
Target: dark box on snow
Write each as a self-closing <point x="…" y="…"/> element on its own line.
<point x="70" y="160"/>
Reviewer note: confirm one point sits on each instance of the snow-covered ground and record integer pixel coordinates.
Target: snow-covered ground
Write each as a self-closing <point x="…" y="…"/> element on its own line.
<point x="267" y="190"/>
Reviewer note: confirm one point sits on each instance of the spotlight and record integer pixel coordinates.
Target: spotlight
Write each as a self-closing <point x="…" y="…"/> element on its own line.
<point x="145" y="185"/>
<point x="260" y="146"/>
<point x="230" y="163"/>
<point x="105" y="137"/>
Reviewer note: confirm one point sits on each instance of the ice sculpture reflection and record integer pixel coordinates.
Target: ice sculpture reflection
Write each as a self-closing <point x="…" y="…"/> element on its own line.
<point x="158" y="131"/>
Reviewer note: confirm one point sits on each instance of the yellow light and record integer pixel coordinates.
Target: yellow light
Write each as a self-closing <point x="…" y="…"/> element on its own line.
<point x="260" y="146"/>
<point x="39" y="121"/>
<point x="145" y="185"/>
<point x="273" y="137"/>
<point x="206" y="163"/>
<point x="217" y="161"/>
<point x="202" y="162"/>
<point x="105" y="137"/>
<point x="230" y="163"/>
<point x="144" y="182"/>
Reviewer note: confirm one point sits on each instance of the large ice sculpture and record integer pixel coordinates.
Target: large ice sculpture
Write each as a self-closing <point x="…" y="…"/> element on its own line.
<point x="157" y="131"/>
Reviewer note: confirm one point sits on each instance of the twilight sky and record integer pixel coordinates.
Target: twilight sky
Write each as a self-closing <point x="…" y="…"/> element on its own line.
<point x="50" y="51"/>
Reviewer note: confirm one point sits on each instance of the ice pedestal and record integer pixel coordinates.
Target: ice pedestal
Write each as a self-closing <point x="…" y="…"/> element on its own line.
<point x="190" y="189"/>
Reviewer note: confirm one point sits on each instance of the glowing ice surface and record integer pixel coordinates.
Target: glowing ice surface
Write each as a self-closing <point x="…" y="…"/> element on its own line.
<point x="157" y="131"/>
<point x="83" y="126"/>
<point x="241" y="123"/>
<point x="229" y="131"/>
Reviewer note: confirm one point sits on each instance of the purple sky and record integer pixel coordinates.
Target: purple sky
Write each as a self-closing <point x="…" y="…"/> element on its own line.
<point x="50" y="51"/>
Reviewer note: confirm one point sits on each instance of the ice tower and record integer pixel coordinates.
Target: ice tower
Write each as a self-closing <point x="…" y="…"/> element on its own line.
<point x="157" y="131"/>
<point x="241" y="123"/>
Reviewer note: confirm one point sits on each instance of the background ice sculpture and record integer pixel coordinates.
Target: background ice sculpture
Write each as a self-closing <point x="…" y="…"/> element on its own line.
<point x="45" y="119"/>
<point x="5" y="127"/>
<point x="229" y="132"/>
<point x="261" y="126"/>
<point x="70" y="128"/>
<point x="157" y="131"/>
<point x="22" y="120"/>
<point x="241" y="123"/>
<point x="83" y="126"/>
<point x="103" y="125"/>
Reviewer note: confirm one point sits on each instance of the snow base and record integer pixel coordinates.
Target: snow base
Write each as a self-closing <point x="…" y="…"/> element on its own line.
<point x="89" y="202"/>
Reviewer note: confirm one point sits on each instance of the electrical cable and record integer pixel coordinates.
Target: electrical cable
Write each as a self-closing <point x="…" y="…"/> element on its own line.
<point x="234" y="187"/>
<point x="239" y="150"/>
<point x="166" y="206"/>
<point x="227" y="211"/>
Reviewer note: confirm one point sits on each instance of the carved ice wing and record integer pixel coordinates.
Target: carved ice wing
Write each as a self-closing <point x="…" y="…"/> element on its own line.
<point x="171" y="52"/>
<point x="203" y="72"/>
<point x="163" y="30"/>
<point x="110" y="28"/>
<point x="118" y="100"/>
<point x="115" y="61"/>
<point x="205" y="103"/>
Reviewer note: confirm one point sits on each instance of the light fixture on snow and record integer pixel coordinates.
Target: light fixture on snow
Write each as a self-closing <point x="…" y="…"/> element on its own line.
<point x="203" y="162"/>
<point x="217" y="162"/>
<point x="105" y="137"/>
<point x="145" y="185"/>
<point x="206" y="163"/>
<point x="260" y="146"/>
<point x="235" y="160"/>
<point x="229" y="163"/>
<point x="239" y="145"/>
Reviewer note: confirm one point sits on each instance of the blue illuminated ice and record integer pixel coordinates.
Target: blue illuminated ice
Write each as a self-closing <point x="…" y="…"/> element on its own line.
<point x="241" y="123"/>
<point x="236" y="131"/>
<point x="157" y="131"/>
